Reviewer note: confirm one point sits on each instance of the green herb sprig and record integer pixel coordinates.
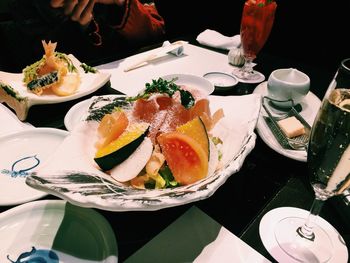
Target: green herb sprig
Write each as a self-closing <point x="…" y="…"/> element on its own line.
<point x="165" y="87"/>
<point x="88" y="69"/>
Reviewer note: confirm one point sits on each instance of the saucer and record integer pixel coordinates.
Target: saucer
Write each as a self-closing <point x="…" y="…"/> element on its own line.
<point x="259" y="77"/>
<point x="267" y="226"/>
<point x="21" y="153"/>
<point x="310" y="106"/>
<point x="56" y="231"/>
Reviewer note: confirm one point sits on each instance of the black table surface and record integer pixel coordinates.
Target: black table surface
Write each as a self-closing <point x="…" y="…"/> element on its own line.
<point x="266" y="180"/>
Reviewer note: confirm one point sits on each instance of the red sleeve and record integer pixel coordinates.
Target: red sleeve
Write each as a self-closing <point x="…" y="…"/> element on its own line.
<point x="140" y="22"/>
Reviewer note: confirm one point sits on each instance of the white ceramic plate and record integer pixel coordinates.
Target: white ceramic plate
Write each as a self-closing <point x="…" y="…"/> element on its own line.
<point x="310" y="105"/>
<point x="67" y="233"/>
<point x="72" y="175"/>
<point x="192" y="81"/>
<point x="90" y="82"/>
<point x="9" y="122"/>
<point x="267" y="228"/>
<point x="221" y="81"/>
<point x="21" y="153"/>
<point x="76" y="114"/>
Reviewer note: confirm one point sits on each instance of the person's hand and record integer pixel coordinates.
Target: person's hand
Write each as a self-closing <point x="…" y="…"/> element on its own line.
<point x="81" y="11"/>
<point x="78" y="10"/>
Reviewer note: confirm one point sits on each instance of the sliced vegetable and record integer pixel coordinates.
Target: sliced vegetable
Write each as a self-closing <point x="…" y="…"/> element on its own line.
<point x="120" y="149"/>
<point x="133" y="165"/>
<point x="185" y="157"/>
<point x="43" y="81"/>
<point x="196" y="130"/>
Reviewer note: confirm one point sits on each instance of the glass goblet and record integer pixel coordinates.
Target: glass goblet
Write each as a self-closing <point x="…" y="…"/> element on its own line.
<point x="256" y="24"/>
<point x="329" y="173"/>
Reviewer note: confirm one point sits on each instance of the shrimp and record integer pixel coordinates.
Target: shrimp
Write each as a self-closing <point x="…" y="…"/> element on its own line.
<point x="50" y="63"/>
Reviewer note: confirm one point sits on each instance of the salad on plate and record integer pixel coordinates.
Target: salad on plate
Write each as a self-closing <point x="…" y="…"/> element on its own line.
<point x="168" y="145"/>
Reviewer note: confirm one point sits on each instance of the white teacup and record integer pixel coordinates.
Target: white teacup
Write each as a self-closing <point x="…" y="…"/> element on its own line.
<point x="286" y="84"/>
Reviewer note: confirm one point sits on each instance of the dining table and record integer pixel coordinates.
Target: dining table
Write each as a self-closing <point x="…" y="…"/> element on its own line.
<point x="265" y="181"/>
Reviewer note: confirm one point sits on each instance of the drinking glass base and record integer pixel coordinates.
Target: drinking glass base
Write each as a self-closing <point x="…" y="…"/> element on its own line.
<point x="267" y="230"/>
<point x="255" y="77"/>
<point x="320" y="249"/>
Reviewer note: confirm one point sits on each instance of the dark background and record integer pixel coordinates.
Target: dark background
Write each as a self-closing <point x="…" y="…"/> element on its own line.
<point x="313" y="32"/>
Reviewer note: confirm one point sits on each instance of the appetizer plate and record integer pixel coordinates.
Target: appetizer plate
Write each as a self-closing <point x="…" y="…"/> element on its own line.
<point x="21" y="153"/>
<point x="310" y="105"/>
<point x="90" y="82"/>
<point x="71" y="173"/>
<point x="55" y="231"/>
<point x="192" y="81"/>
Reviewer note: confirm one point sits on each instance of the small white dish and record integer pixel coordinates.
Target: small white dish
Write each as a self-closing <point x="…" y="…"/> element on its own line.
<point x="192" y="81"/>
<point x="221" y="81"/>
<point x="310" y="105"/>
<point x="56" y="231"/>
<point x="21" y="153"/>
<point x="90" y="82"/>
<point x="267" y="228"/>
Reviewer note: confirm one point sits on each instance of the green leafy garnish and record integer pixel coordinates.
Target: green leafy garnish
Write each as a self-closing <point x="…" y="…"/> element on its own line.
<point x="11" y="92"/>
<point x="165" y="87"/>
<point x="70" y="65"/>
<point x="216" y="140"/>
<point x="30" y="72"/>
<point x="88" y="68"/>
<point x="167" y="175"/>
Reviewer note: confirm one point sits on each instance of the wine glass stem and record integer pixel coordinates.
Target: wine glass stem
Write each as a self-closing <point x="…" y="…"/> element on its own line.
<point x="306" y="230"/>
<point x="248" y="66"/>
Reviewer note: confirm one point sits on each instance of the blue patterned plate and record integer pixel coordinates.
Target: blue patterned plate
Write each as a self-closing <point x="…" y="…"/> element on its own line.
<point x="55" y="231"/>
<point x="21" y="153"/>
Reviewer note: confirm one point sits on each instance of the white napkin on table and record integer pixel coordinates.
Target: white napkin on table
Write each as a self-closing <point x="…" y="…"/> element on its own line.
<point x="215" y="39"/>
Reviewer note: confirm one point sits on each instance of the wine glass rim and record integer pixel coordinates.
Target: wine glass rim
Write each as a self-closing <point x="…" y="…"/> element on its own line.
<point x="346" y="63"/>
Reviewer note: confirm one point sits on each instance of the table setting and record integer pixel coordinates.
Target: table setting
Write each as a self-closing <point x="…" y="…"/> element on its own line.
<point x="58" y="181"/>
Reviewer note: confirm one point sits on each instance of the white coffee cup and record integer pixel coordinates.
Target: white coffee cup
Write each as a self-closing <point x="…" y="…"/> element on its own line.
<point x="286" y="84"/>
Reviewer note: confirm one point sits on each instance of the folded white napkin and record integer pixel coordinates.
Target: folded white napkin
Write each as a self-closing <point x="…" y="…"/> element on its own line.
<point x="215" y="39"/>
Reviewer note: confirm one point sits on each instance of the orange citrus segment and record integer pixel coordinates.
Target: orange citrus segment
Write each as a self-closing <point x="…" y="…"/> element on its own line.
<point x="111" y="127"/>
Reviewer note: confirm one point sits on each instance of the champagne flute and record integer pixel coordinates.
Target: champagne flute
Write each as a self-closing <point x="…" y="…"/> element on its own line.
<point x="256" y="24"/>
<point x="329" y="173"/>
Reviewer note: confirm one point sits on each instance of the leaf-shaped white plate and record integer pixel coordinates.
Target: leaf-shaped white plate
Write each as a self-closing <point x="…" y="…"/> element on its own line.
<point x="72" y="175"/>
<point x="90" y="82"/>
<point x="55" y="231"/>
